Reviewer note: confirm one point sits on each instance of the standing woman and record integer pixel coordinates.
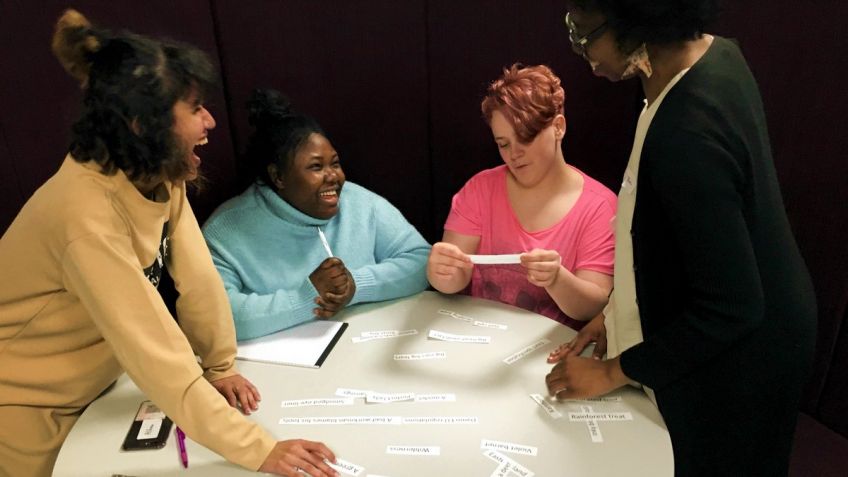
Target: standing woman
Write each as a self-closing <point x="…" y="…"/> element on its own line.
<point x="713" y="308"/>
<point x="81" y="261"/>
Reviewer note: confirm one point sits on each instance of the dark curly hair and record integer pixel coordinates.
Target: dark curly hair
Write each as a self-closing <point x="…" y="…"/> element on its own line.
<point x="279" y="132"/>
<point x="653" y="22"/>
<point x="131" y="84"/>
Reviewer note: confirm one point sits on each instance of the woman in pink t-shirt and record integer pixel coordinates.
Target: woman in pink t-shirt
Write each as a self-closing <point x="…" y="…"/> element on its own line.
<point x="554" y="215"/>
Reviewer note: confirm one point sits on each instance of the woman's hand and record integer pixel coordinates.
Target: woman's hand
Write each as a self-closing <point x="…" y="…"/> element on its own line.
<point x="580" y="378"/>
<point x="331" y="303"/>
<point x="288" y="457"/>
<point x="542" y="266"/>
<point x="448" y="267"/>
<point x="594" y="331"/>
<point x="239" y="392"/>
<point x="335" y="287"/>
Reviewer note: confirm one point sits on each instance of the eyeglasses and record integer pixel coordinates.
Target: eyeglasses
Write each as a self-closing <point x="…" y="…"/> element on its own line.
<point x="579" y="44"/>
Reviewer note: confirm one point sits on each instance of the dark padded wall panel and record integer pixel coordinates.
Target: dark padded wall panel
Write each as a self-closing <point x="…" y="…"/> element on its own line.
<point x="470" y="43"/>
<point x="794" y="58"/>
<point x="40" y="101"/>
<point x="357" y="67"/>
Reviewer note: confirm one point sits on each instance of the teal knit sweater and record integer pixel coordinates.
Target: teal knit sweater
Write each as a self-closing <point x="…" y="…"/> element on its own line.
<point x="265" y="250"/>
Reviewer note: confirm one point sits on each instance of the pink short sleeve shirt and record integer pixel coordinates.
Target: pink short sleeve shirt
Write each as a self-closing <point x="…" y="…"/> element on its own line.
<point x="583" y="238"/>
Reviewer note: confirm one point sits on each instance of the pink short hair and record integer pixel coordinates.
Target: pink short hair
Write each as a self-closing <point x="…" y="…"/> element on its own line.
<point x="529" y="97"/>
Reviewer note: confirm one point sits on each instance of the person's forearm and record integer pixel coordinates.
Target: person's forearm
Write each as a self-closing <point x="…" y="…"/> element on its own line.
<point x="578" y="298"/>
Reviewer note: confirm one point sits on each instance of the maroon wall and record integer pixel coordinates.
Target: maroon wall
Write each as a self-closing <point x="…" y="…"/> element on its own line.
<point x="397" y="86"/>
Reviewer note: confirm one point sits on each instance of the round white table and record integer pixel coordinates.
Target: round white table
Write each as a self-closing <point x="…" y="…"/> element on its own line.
<point x="496" y="393"/>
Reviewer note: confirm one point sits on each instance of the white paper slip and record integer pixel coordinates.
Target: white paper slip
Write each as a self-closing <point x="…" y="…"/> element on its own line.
<point x="548" y="407"/>
<point x="149" y="429"/>
<point x="382" y="398"/>
<point x="413" y="450"/>
<point x="382" y="334"/>
<point x="508" y="447"/>
<point x="421" y="356"/>
<point x="524" y="352"/>
<point x="594" y="428"/>
<point x="346" y="401"/>
<point x="441" y="420"/>
<point x="344" y="420"/>
<point x="511" y="465"/>
<point x="441" y="335"/>
<point x="354" y="393"/>
<point x="496" y="259"/>
<point x="345" y="467"/>
<point x="456" y="315"/>
<point x="600" y="416"/>
<point x="435" y="397"/>
<point x="596" y="399"/>
<point x="485" y="324"/>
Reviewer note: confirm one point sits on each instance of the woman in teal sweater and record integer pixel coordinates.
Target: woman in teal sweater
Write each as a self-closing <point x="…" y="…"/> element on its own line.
<point x="292" y="247"/>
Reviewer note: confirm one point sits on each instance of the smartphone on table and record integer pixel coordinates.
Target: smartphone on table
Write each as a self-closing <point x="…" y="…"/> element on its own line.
<point x="149" y="429"/>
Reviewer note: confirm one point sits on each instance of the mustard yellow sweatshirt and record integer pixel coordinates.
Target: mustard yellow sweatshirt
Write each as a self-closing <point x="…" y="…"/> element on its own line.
<point x="76" y="309"/>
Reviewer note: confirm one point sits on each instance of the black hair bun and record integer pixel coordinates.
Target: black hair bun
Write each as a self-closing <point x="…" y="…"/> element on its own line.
<point x="268" y="106"/>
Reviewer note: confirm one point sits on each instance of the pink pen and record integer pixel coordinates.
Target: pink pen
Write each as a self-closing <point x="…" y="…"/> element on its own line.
<point x="181" y="444"/>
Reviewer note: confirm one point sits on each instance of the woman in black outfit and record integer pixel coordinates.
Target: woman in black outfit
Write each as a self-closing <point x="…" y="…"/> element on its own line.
<point x="713" y="309"/>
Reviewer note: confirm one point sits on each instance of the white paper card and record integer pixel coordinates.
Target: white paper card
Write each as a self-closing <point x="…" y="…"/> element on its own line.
<point x="548" y="407"/>
<point x="344" y="420"/>
<point x="508" y="447"/>
<point x="381" y="334"/>
<point x="596" y="399"/>
<point x="413" y="450"/>
<point x="149" y="429"/>
<point x="496" y="259"/>
<point x="421" y="356"/>
<point x="382" y="398"/>
<point x="435" y="397"/>
<point x="485" y="324"/>
<point x="354" y="393"/>
<point x="456" y="315"/>
<point x="600" y="416"/>
<point x="347" y="401"/>
<point x="524" y="352"/>
<point x="594" y="428"/>
<point x="441" y="335"/>
<point x="511" y="465"/>
<point x="345" y="467"/>
<point x="440" y="420"/>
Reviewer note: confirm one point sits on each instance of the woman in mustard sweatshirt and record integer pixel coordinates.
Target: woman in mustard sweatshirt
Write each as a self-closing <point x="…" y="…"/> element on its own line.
<point x="82" y="259"/>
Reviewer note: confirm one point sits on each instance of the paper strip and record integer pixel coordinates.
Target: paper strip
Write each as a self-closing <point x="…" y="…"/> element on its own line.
<point x="420" y="356"/>
<point x="496" y="259"/>
<point x="508" y="447"/>
<point x="345" y="467"/>
<point x="600" y="416"/>
<point x="393" y="420"/>
<point x="547" y="406"/>
<point x="388" y="333"/>
<point x="440" y="420"/>
<point x="388" y="397"/>
<point x="413" y="450"/>
<point x="354" y="393"/>
<point x="484" y="324"/>
<point x="347" y="401"/>
<point x="435" y="397"/>
<point x="456" y="315"/>
<point x="596" y="399"/>
<point x="524" y="352"/>
<point x="441" y="335"/>
<point x="594" y="429"/>
<point x="512" y="466"/>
